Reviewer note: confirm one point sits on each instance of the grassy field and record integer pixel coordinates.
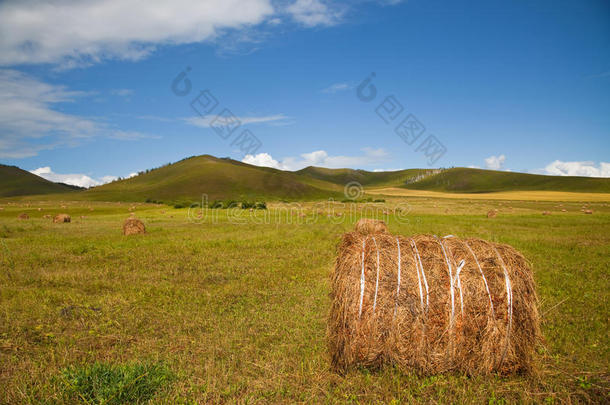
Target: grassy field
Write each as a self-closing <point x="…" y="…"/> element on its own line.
<point x="213" y="310"/>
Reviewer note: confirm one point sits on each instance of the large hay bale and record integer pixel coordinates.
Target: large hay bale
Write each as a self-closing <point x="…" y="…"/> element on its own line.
<point x="23" y="216"/>
<point x="61" y="218"/>
<point x="430" y="305"/>
<point x="133" y="226"/>
<point x="367" y="226"/>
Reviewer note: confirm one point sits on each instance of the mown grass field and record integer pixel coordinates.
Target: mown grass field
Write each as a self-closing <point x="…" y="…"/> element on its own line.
<point x="202" y="311"/>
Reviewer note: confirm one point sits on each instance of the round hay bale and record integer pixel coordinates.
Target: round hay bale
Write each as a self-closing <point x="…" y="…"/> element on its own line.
<point x="430" y="305"/>
<point x="492" y="214"/>
<point x="367" y="226"/>
<point x="23" y="216"/>
<point x="61" y="218"/>
<point x="589" y="212"/>
<point x="133" y="226"/>
<point x="546" y="212"/>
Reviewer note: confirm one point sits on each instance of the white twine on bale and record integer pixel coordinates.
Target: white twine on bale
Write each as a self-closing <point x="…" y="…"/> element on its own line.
<point x="459" y="284"/>
<point x="509" y="304"/>
<point x="451" y="319"/>
<point x="457" y="281"/>
<point x="421" y="266"/>
<point x="491" y="304"/>
<point x="421" y="294"/>
<point x="377" y="281"/>
<point x="362" y="281"/>
<point x="398" y="284"/>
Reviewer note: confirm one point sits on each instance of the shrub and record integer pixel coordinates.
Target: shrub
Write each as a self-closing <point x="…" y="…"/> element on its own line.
<point x="178" y="205"/>
<point x="381" y="200"/>
<point x="232" y="204"/>
<point x="247" y="204"/>
<point x="261" y="205"/>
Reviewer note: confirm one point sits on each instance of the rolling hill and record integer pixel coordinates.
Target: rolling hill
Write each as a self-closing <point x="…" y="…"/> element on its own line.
<point x="224" y="179"/>
<point x="16" y="182"/>
<point x="465" y="180"/>
<point x="189" y="179"/>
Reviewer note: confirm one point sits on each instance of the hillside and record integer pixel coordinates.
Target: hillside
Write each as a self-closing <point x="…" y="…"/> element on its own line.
<point x="366" y="178"/>
<point x="465" y="180"/>
<point x="16" y="182"/>
<point x="189" y="179"/>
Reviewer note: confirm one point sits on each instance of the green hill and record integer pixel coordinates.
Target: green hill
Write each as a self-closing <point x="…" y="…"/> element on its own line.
<point x="16" y="182"/>
<point x="189" y="179"/>
<point x="366" y="178"/>
<point x="464" y="180"/>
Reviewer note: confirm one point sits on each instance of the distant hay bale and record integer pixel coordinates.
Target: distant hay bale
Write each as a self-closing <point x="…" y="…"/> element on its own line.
<point x="133" y="226"/>
<point x="61" y="218"/>
<point x="367" y="226"/>
<point x="23" y="216"/>
<point x="430" y="305"/>
<point x="47" y="216"/>
<point x="492" y="214"/>
<point x="589" y="212"/>
<point x="564" y="210"/>
<point x="546" y="212"/>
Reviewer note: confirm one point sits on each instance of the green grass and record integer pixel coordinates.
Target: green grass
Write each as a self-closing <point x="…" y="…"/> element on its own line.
<point x="237" y="312"/>
<point x="109" y="384"/>
<point x="15" y="182"/>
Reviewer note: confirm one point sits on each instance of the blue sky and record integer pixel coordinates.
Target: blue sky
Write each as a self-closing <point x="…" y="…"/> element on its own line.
<point x="86" y="88"/>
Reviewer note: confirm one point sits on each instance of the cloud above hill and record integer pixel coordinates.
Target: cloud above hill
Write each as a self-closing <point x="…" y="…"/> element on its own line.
<point x="319" y="158"/>
<point x="586" y="169"/>
<point x="81" y="180"/>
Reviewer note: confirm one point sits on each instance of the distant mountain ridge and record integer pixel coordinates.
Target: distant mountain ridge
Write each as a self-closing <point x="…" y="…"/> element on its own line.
<point x="224" y="178"/>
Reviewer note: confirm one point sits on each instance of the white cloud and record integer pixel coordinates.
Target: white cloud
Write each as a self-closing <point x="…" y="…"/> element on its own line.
<point x="311" y="13"/>
<point x="319" y="158"/>
<point x="586" y="169"/>
<point x="81" y="180"/>
<point x="74" y="33"/>
<point x="334" y="88"/>
<point x="126" y="93"/>
<point x="30" y="120"/>
<point x="495" y="162"/>
<point x="263" y="159"/>
<point x="205" y="122"/>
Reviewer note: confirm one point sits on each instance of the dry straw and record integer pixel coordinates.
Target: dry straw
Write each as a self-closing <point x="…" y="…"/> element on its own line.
<point x="368" y="226"/>
<point x="431" y="305"/>
<point x="61" y="218"/>
<point x="133" y="226"/>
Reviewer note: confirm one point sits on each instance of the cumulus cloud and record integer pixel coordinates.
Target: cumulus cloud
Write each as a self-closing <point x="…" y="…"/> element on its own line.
<point x="81" y="180"/>
<point x="314" y="12"/>
<point x="495" y="162"/>
<point x="76" y="32"/>
<point x="586" y="169"/>
<point x="30" y="120"/>
<point x="319" y="158"/>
